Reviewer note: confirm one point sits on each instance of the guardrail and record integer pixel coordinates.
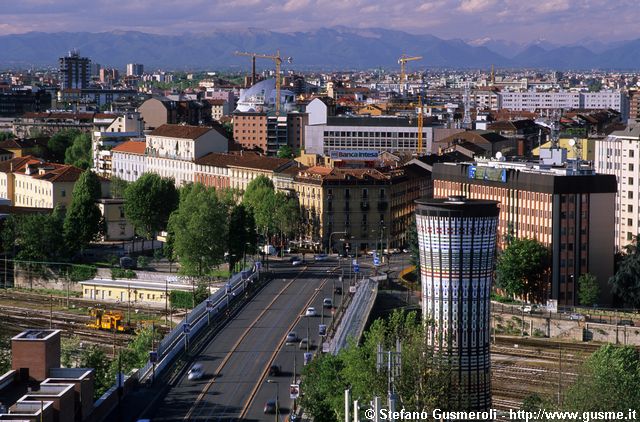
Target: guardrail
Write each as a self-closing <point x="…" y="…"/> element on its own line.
<point x="191" y="325"/>
<point x="355" y="316"/>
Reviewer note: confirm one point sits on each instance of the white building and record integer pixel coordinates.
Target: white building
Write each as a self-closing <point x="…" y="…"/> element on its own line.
<point x="135" y="69"/>
<point x="325" y="134"/>
<point x="172" y="149"/>
<point x="619" y="154"/>
<point x="119" y="128"/>
<point x="128" y="160"/>
<point x="552" y="100"/>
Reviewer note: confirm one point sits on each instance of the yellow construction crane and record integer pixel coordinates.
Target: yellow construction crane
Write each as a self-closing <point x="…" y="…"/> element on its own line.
<point x="278" y="60"/>
<point x="403" y="63"/>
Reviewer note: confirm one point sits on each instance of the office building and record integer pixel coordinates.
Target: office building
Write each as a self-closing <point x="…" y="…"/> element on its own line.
<point x="74" y="72"/>
<point x="569" y="209"/>
<point x="457" y="241"/>
<point x="135" y="69"/>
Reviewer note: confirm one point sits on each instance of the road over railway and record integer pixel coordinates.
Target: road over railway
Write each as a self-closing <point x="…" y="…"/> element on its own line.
<point x="237" y="361"/>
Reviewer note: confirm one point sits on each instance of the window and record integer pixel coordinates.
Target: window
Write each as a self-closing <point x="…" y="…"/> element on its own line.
<point x="631" y="153"/>
<point x="630" y="166"/>
<point x="63" y="193"/>
<point x="630" y="195"/>
<point x="629" y="222"/>
<point x="630" y="180"/>
<point x="629" y="208"/>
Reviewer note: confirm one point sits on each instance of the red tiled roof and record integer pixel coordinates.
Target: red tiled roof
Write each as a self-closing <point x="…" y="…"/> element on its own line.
<point x="181" y="131"/>
<point x="244" y="160"/>
<point x="131" y="147"/>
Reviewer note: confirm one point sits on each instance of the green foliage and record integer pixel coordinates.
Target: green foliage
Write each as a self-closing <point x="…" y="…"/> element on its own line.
<point x="180" y="299"/>
<point x="285" y="151"/>
<point x="142" y="261"/>
<point x="118" y="187"/>
<point x="198" y="230"/>
<point x="588" y="290"/>
<point x="260" y="198"/>
<point x="83" y="220"/>
<point x="425" y="382"/>
<point x="414" y="249"/>
<point x="79" y="152"/>
<point x="92" y="356"/>
<point x="69" y="347"/>
<point x="120" y="273"/>
<point x="608" y="381"/>
<point x="522" y="268"/>
<point x="81" y="272"/>
<point x="59" y="142"/>
<point x="5" y="353"/>
<point x="287" y="214"/>
<point x="6" y="135"/>
<point x="625" y="283"/>
<point x="35" y="237"/>
<point x="149" y="201"/>
<point x="241" y="237"/>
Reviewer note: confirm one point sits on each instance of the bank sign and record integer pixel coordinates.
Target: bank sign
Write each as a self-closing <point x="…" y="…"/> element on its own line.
<point x="351" y="154"/>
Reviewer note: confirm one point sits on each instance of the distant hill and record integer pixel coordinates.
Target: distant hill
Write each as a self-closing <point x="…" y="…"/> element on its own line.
<point x="337" y="48"/>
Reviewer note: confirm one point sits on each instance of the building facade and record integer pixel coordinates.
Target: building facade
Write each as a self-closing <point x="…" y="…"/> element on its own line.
<point x="74" y="71"/>
<point x="457" y="241"/>
<point x="619" y="155"/>
<point x="128" y="160"/>
<point x="569" y="211"/>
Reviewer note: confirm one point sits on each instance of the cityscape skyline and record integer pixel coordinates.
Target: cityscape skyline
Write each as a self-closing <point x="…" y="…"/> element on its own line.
<point x="475" y="21"/>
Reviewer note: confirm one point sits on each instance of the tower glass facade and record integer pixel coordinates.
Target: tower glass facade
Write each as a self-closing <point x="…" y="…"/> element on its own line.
<point x="457" y="241"/>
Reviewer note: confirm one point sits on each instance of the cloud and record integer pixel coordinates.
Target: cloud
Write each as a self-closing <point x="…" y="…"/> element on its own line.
<point x="516" y="20"/>
<point x="475" y="6"/>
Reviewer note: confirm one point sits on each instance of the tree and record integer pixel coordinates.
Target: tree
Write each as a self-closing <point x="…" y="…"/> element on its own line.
<point x="241" y="237"/>
<point x="522" y="268"/>
<point x="118" y="187"/>
<point x="285" y="151"/>
<point x="287" y="215"/>
<point x="414" y="248"/>
<point x="59" y="143"/>
<point x="83" y="220"/>
<point x="149" y="201"/>
<point x="588" y="290"/>
<point x="199" y="230"/>
<point x="94" y="357"/>
<point x="625" y="283"/>
<point x="35" y="237"/>
<point x="609" y="380"/>
<point x="6" y="135"/>
<point x="260" y="198"/>
<point x="79" y="152"/>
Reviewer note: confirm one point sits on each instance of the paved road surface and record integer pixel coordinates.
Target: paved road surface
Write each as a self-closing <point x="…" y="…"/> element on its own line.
<point x="236" y="362"/>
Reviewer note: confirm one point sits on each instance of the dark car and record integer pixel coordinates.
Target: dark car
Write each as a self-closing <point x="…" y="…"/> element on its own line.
<point x="270" y="406"/>
<point x="274" y="371"/>
<point x="337" y="290"/>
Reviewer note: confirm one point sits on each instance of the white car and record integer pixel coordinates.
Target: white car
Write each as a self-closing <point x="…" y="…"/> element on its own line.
<point x="296" y="261"/>
<point x="196" y="372"/>
<point x="311" y="311"/>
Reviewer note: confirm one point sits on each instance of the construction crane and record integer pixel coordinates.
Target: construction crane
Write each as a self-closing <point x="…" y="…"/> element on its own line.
<point x="403" y="64"/>
<point x="278" y="60"/>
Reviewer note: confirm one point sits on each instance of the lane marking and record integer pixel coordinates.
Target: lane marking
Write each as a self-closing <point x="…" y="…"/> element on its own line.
<point x="208" y="386"/>
<point x="249" y="401"/>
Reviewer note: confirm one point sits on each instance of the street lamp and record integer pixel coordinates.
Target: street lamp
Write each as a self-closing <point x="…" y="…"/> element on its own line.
<point x="277" y="397"/>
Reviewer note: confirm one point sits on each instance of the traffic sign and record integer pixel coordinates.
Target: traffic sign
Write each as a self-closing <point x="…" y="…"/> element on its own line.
<point x="153" y="357"/>
<point x="354" y="262"/>
<point x="356" y="268"/>
<point x="376" y="261"/>
<point x="326" y="347"/>
<point x="209" y="305"/>
<point x="294" y="391"/>
<point x="322" y="329"/>
<point x="307" y="357"/>
<point x="186" y="328"/>
<point x="258" y="265"/>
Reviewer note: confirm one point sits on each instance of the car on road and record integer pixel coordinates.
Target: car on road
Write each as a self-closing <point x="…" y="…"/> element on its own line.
<point x="274" y="370"/>
<point x="327" y="302"/>
<point x="322" y="329"/>
<point x="321" y="257"/>
<point x="337" y="290"/>
<point x="311" y="311"/>
<point x="576" y="317"/>
<point x="271" y="406"/>
<point x="292" y="338"/>
<point x="304" y="342"/>
<point x="196" y="372"/>
<point x="526" y="308"/>
<point x="295" y="260"/>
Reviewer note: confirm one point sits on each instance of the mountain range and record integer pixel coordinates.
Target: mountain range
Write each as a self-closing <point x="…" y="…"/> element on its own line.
<point x="336" y="48"/>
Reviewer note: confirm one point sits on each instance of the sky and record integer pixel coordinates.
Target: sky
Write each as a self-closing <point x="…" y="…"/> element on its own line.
<point x="557" y="21"/>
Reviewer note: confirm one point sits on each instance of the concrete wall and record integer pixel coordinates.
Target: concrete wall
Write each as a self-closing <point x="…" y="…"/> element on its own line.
<point x="30" y="280"/>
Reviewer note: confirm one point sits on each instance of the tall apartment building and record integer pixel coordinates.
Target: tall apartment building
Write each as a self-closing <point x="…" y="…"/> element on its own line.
<point x="268" y="131"/>
<point x="74" y="72"/>
<point x="135" y="69"/>
<point x="565" y="100"/>
<point x="569" y="210"/>
<point x="111" y="130"/>
<point x="457" y="242"/>
<point x="619" y="155"/>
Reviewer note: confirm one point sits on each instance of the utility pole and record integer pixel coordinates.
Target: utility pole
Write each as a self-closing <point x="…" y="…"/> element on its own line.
<point x="393" y="362"/>
<point x="50" y="312"/>
<point x="560" y="376"/>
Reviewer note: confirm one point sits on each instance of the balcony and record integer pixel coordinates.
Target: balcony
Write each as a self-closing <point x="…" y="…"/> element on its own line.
<point x="364" y="206"/>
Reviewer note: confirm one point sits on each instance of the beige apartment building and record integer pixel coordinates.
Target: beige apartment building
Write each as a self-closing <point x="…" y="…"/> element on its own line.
<point x="32" y="182"/>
